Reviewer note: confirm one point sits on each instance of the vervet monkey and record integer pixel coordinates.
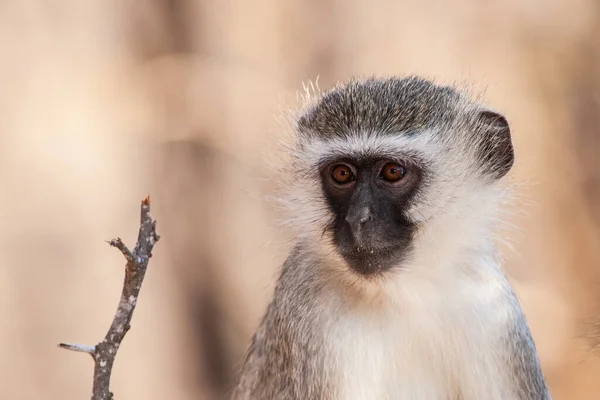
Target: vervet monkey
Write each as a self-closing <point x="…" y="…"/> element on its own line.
<point x="394" y="288"/>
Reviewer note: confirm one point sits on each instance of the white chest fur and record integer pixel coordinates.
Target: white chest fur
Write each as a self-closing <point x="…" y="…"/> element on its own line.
<point x="439" y="345"/>
<point x="390" y="360"/>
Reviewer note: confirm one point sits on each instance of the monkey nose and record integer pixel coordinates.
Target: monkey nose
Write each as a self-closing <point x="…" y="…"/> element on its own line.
<point x="357" y="218"/>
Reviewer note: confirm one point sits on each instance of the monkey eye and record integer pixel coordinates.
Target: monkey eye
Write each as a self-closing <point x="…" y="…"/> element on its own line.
<point x="392" y="172"/>
<point x="342" y="174"/>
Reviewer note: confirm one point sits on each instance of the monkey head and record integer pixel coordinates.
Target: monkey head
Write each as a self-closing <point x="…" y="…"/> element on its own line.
<point x="391" y="173"/>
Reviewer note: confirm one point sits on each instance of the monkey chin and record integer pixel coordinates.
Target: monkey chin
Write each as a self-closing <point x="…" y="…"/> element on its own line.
<point x="370" y="262"/>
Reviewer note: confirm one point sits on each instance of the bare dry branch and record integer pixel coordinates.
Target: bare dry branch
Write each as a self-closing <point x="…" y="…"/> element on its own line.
<point x="104" y="353"/>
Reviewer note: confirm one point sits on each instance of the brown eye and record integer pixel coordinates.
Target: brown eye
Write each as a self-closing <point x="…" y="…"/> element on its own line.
<point x="342" y="174"/>
<point x="392" y="172"/>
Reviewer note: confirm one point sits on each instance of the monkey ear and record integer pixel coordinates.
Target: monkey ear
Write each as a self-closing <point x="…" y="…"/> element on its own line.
<point x="496" y="149"/>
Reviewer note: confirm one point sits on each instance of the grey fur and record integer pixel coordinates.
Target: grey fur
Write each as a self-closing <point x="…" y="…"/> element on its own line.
<point x="387" y="106"/>
<point x="526" y="371"/>
<point x="298" y="351"/>
<point x="286" y="358"/>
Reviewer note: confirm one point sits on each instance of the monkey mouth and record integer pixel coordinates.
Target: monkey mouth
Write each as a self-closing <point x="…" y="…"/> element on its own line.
<point x="368" y="260"/>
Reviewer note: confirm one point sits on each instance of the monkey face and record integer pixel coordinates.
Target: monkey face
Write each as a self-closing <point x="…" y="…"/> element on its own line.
<point x="368" y="199"/>
<point x="395" y="173"/>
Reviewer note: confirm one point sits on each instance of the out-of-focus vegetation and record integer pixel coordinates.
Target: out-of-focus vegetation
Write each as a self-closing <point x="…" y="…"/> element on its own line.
<point x="105" y="101"/>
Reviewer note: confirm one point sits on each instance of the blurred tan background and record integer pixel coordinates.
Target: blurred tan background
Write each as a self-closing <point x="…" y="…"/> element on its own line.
<point x="103" y="102"/>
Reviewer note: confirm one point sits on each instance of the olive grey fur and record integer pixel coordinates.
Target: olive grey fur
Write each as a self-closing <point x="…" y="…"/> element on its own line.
<point x="394" y="288"/>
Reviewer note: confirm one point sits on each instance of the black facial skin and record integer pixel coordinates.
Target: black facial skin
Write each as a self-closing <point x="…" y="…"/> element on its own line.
<point x="369" y="227"/>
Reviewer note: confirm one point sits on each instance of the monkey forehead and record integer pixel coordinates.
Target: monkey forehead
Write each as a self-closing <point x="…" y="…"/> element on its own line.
<point x="386" y="106"/>
<point x="417" y="148"/>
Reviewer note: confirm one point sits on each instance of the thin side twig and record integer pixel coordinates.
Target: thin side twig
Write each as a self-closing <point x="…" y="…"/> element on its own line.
<point x="78" y="347"/>
<point x="104" y="353"/>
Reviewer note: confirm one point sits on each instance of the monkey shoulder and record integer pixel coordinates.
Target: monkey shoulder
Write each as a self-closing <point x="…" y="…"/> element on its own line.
<point x="285" y="356"/>
<point x="504" y="348"/>
<point x="519" y="355"/>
